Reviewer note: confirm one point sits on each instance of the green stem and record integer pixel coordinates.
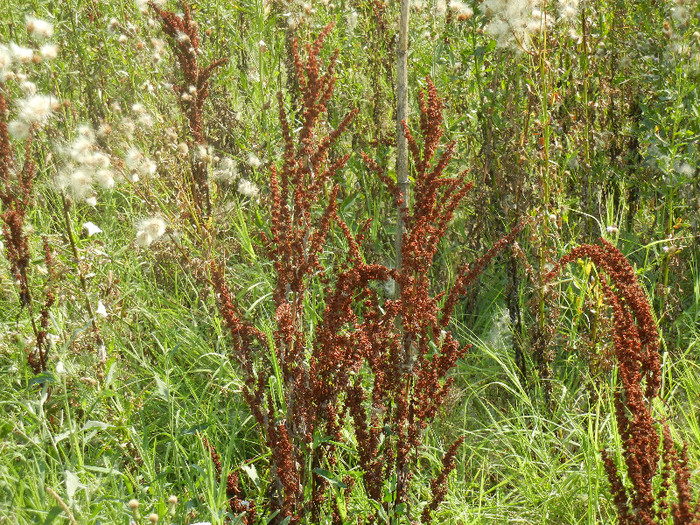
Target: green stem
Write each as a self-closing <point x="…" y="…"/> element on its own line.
<point x="76" y="258"/>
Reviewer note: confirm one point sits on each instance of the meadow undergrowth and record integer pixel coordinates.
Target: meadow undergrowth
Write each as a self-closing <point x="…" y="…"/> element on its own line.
<point x="222" y="302"/>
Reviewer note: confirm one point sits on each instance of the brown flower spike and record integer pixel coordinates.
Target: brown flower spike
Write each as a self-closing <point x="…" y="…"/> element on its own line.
<point x="636" y="348"/>
<point x="380" y="364"/>
<point x="193" y="91"/>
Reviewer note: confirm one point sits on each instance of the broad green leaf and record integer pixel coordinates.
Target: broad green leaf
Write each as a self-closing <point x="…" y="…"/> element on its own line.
<point x="52" y="515"/>
<point x="327" y="475"/>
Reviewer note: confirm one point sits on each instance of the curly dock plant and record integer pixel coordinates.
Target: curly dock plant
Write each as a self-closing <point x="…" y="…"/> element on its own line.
<point x="638" y="496"/>
<point x="192" y="92"/>
<point x="377" y="364"/>
<point x="16" y="199"/>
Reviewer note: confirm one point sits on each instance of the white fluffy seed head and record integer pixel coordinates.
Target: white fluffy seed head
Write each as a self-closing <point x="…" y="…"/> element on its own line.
<point x="21" y="54"/>
<point x="143" y="239"/>
<point x="105" y="130"/>
<point x="139" y="164"/>
<point x="29" y="88"/>
<point x="149" y="167"/>
<point x="81" y="183"/>
<point x="5" y="57"/>
<point x="155" y="227"/>
<point x="145" y="120"/>
<point x="204" y="154"/>
<point x="568" y="12"/>
<point x="253" y="160"/>
<point x="150" y="230"/>
<point x="142" y="5"/>
<point x="686" y="169"/>
<point x="105" y="178"/>
<point x="39" y="28"/>
<point x="225" y="171"/>
<point x="36" y="108"/>
<point x="81" y="147"/>
<point x="128" y="126"/>
<point x="462" y="10"/>
<point x="18" y="129"/>
<point x="100" y="160"/>
<point x="134" y="158"/>
<point x="248" y="189"/>
<point x="48" y="51"/>
<point x="157" y="45"/>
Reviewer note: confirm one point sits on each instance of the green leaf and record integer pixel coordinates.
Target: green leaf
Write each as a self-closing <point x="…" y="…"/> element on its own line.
<point x="480" y="51"/>
<point x="44" y="377"/>
<point x="285" y="521"/>
<point x="381" y="512"/>
<point x="96" y="424"/>
<point x="340" y="503"/>
<point x="72" y="484"/>
<point x="195" y="429"/>
<point x="327" y="475"/>
<point x="252" y="473"/>
<point x="162" y="388"/>
<point x="348" y="201"/>
<point x="52" y="515"/>
<point x="104" y="470"/>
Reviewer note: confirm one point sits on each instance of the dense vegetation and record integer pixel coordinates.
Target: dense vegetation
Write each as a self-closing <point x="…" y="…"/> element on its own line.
<point x="223" y="303"/>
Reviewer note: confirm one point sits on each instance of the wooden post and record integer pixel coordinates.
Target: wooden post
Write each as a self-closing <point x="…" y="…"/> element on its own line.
<point x="401" y="117"/>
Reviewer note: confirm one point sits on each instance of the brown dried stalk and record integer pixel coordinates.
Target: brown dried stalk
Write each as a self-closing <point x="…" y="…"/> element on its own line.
<point x="192" y="92"/>
<point x="406" y="347"/>
<point x="245" y="510"/>
<point x="636" y="348"/>
<point x="16" y="198"/>
<point x="295" y="243"/>
<point x="438" y="485"/>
